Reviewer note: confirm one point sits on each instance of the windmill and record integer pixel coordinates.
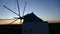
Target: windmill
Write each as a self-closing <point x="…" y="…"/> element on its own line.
<point x="20" y="18"/>
<point x="32" y="24"/>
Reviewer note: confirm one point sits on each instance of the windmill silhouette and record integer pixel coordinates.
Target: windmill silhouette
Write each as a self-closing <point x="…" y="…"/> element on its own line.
<point x="20" y="18"/>
<point x="32" y="24"/>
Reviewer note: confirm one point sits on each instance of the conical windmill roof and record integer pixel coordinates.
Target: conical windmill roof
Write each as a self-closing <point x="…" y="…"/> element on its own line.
<point x="32" y="18"/>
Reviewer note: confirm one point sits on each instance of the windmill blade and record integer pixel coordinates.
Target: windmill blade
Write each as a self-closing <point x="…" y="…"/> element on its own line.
<point x="10" y="10"/>
<point x="13" y="21"/>
<point x="24" y="8"/>
<point x="18" y="8"/>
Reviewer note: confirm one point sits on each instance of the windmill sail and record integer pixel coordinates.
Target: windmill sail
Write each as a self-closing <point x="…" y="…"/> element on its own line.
<point x="18" y="8"/>
<point x="13" y="21"/>
<point x="10" y="10"/>
<point x="24" y="9"/>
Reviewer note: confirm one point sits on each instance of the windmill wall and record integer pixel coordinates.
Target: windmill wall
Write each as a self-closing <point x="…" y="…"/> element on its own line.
<point x="35" y="28"/>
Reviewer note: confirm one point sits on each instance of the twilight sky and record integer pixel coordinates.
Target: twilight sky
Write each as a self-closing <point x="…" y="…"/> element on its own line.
<point x="48" y="10"/>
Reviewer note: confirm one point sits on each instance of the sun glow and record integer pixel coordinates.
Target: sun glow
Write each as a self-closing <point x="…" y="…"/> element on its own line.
<point x="9" y="21"/>
<point x="18" y="21"/>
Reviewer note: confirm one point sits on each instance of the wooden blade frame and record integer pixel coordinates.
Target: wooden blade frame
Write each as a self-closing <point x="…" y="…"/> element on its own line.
<point x="10" y="10"/>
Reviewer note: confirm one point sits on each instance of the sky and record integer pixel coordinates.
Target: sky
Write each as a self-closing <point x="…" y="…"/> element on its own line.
<point x="47" y="10"/>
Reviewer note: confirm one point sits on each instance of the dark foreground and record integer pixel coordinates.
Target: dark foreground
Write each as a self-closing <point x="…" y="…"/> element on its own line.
<point x="10" y="29"/>
<point x="54" y="28"/>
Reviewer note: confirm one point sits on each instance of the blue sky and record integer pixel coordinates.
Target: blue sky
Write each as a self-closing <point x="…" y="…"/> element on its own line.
<point x="48" y="10"/>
